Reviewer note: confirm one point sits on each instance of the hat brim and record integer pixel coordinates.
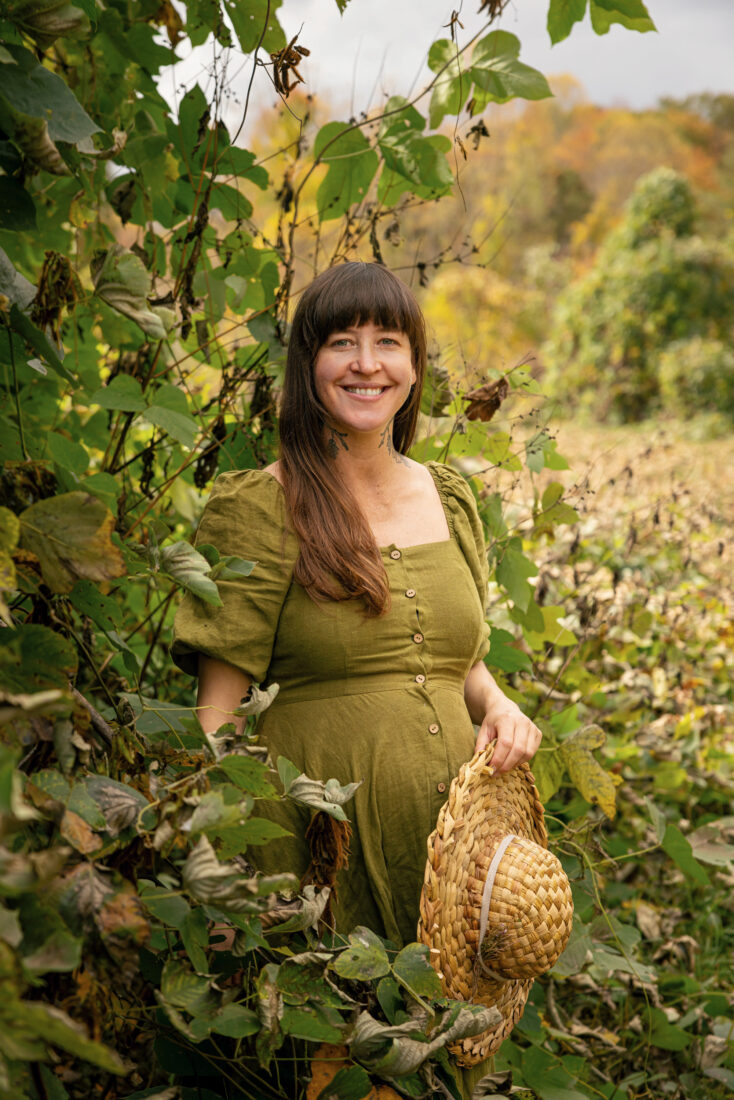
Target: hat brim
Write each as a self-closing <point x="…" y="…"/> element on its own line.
<point x="480" y="810"/>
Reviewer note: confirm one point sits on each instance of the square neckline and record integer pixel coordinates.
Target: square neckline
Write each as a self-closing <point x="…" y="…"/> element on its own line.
<point x="417" y="545"/>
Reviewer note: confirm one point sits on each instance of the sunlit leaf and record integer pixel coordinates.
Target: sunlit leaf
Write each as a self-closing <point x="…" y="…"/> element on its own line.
<point x="587" y="774"/>
<point x="70" y="536"/>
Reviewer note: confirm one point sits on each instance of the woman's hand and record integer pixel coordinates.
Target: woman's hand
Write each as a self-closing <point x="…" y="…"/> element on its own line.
<point x="500" y="720"/>
<point x="517" y="737"/>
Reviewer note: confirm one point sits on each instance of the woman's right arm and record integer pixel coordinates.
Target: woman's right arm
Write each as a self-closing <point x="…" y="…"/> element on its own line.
<point x="222" y="688"/>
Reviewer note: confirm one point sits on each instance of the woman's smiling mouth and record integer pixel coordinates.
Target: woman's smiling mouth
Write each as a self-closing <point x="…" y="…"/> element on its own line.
<point x="365" y="391"/>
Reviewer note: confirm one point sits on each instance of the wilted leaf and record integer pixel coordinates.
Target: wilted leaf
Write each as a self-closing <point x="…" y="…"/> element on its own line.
<point x="14" y="286"/>
<point x="191" y="570"/>
<point x="270" y="1011"/>
<point x="391" y="1050"/>
<point x="294" y="916"/>
<point x="223" y="884"/>
<point x="10" y="929"/>
<point x="70" y="536"/>
<point x="257" y="700"/>
<point x="329" y="796"/>
<point x="75" y="829"/>
<point x="121" y="280"/>
<point x="120" y="804"/>
<point x="591" y="780"/>
<point x="484" y="402"/>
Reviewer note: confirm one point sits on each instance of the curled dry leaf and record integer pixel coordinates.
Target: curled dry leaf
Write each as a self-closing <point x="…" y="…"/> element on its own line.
<point x="486" y="400"/>
<point x="405" y="1054"/>
<point x="224" y="885"/>
<point x="121" y="280"/>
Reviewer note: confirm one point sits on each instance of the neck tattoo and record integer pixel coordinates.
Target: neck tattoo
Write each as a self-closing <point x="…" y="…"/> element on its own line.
<point x="336" y="440"/>
<point x="386" y="440"/>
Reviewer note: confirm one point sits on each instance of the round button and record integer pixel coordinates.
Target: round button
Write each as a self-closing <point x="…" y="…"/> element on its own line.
<point x="410" y="592"/>
<point x="417" y="638"/>
<point x="420" y="678"/>
<point x="434" y="727"/>
<point x="440" y="787"/>
<point x="395" y="554"/>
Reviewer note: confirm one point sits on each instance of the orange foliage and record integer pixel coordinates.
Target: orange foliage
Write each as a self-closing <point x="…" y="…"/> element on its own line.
<point x="326" y="1063"/>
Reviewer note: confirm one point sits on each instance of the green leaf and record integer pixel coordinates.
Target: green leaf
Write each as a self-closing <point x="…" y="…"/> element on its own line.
<point x="632" y="14"/>
<point x="352" y="164"/>
<point x="255" y="23"/>
<point x="123" y="393"/>
<point x="184" y="989"/>
<point x="55" y="1027"/>
<point x="38" y="341"/>
<point x="236" y="1021"/>
<point x="17" y="208"/>
<point x="70" y="536"/>
<point x="195" y="938"/>
<point x="364" y="959"/>
<point x="352" y="1082"/>
<point x="504" y="655"/>
<point x="72" y="456"/>
<point x="562" y="14"/>
<point x="38" y="92"/>
<point x="248" y="774"/>
<point x="452" y="85"/>
<point x="61" y="952"/>
<point x="308" y="1023"/>
<point x="164" y="904"/>
<point x="497" y="71"/>
<point x="33" y="658"/>
<point x="513" y="570"/>
<point x="681" y="852"/>
<point x="102" y="610"/>
<point x="546" y="1076"/>
<point x="667" y="1036"/>
<point x="190" y="569"/>
<point x="412" y="966"/>
<point x="180" y="427"/>
<point x="552" y="632"/>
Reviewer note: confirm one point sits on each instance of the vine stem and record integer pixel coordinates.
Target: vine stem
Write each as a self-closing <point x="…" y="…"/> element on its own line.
<point x="16" y="395"/>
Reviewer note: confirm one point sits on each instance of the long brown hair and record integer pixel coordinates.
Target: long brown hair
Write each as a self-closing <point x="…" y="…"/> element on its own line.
<point x="339" y="558"/>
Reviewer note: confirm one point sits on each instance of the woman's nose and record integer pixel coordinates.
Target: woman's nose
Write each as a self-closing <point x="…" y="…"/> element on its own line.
<point x="366" y="359"/>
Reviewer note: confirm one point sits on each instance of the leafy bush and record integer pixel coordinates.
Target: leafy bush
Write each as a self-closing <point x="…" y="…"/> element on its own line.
<point x="650" y="285"/>
<point x="697" y="375"/>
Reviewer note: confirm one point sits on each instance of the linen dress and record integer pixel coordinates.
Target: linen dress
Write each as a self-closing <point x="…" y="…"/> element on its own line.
<point x="379" y="700"/>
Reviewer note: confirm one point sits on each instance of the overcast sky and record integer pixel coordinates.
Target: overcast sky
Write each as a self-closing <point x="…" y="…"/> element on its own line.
<point x="381" y="45"/>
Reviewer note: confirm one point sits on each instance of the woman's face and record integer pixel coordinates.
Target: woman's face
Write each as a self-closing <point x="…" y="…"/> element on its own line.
<point x="363" y="376"/>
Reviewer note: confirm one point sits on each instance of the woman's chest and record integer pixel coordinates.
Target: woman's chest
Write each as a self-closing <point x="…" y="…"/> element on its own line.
<point x="432" y="627"/>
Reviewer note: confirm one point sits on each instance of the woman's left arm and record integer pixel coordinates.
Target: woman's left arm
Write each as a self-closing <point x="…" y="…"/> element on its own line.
<point x="499" y="719"/>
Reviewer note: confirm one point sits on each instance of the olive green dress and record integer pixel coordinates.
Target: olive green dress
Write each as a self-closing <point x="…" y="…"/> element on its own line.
<point x="379" y="700"/>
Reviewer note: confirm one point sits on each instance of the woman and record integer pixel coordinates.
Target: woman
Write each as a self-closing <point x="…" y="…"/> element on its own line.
<point x="367" y="602"/>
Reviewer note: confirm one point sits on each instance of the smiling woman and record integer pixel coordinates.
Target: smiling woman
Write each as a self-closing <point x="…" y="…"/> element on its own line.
<point x="366" y="605"/>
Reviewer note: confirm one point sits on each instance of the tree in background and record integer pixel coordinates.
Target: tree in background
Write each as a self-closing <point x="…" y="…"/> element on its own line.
<point x="652" y="283"/>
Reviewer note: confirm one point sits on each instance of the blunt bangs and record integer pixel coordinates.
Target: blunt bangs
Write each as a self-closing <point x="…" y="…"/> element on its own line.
<point x="354" y="294"/>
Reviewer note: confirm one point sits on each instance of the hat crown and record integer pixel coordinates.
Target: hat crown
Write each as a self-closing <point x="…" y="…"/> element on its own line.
<point x="530" y="913"/>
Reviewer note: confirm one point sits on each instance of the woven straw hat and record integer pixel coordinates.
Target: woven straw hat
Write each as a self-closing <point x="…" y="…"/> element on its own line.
<point x="496" y="908"/>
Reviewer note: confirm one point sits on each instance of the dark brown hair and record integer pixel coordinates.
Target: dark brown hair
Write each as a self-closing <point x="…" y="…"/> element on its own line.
<point x="339" y="558"/>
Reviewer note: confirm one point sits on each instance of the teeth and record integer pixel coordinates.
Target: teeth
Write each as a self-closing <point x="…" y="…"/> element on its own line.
<point x="364" y="390"/>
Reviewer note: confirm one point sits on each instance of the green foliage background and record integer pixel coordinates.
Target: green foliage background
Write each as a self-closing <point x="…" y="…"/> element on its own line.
<point x="143" y="316"/>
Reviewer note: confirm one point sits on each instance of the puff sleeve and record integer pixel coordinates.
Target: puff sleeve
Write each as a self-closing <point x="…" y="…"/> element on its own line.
<point x="245" y="516"/>
<point x="469" y="533"/>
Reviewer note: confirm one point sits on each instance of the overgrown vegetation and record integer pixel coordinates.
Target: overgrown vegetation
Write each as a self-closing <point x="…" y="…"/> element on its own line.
<point x="144" y="314"/>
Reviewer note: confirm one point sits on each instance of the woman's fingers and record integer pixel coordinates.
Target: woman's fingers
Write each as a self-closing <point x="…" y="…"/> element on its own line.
<point x="517" y="739"/>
